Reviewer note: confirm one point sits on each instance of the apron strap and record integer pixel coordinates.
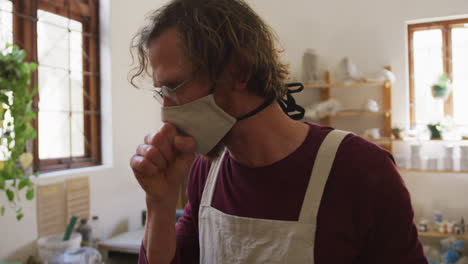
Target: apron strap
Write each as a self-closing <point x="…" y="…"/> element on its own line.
<point x="322" y="167"/>
<point x="210" y="184"/>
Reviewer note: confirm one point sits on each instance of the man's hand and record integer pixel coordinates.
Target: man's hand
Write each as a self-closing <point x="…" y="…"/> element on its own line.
<point x="161" y="163"/>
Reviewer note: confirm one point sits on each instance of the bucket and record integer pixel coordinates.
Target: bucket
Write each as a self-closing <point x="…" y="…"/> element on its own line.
<point x="53" y="245"/>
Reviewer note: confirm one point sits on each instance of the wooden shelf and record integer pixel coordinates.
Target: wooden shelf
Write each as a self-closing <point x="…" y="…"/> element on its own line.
<point x="382" y="141"/>
<point x="440" y="235"/>
<point x="344" y="84"/>
<point x="431" y="171"/>
<point x="325" y="87"/>
<point x="358" y="84"/>
<point x="430" y="140"/>
<point x="358" y="113"/>
<point x="317" y="86"/>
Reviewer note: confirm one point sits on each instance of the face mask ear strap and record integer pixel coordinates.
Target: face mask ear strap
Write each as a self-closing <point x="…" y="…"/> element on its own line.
<point x="289" y="105"/>
<point x="256" y="111"/>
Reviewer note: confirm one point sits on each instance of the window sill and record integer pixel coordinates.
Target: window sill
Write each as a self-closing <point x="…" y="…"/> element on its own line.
<point x="58" y="176"/>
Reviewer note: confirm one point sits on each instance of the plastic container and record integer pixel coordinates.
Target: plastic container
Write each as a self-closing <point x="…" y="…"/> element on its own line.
<point x="84" y="255"/>
<point x="53" y="245"/>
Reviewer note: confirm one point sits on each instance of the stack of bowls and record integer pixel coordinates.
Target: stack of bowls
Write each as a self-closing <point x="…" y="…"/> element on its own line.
<point x="464" y="158"/>
<point x="448" y="158"/>
<point x="416" y="160"/>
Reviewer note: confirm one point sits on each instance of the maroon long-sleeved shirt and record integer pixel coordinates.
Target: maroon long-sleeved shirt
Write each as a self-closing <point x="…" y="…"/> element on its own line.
<point x="365" y="215"/>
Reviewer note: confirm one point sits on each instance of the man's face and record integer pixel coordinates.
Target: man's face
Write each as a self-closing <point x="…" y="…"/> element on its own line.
<point x="170" y="68"/>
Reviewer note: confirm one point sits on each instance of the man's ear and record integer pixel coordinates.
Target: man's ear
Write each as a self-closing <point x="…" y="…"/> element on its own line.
<point x="240" y="68"/>
<point x="243" y="79"/>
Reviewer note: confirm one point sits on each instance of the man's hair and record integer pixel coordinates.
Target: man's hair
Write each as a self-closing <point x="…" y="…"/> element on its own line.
<point x="214" y="35"/>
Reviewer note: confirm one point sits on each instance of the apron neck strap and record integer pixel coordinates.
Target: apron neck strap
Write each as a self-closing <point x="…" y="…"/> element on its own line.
<point x="210" y="184"/>
<point x="322" y="167"/>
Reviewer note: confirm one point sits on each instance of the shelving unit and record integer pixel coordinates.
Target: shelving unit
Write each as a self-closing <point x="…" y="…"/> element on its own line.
<point x="386" y="129"/>
<point x="441" y="235"/>
<point x="432" y="171"/>
<point x="434" y="150"/>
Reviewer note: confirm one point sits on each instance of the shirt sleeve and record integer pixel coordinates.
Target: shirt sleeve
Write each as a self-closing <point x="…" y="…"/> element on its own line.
<point x="187" y="250"/>
<point x="396" y="232"/>
<point x="142" y="259"/>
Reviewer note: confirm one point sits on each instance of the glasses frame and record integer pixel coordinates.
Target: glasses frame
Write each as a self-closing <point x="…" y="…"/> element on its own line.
<point x="159" y="93"/>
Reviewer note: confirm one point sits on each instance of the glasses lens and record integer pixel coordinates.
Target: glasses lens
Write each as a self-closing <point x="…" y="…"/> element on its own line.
<point x="158" y="95"/>
<point x="161" y="93"/>
<point x="169" y="94"/>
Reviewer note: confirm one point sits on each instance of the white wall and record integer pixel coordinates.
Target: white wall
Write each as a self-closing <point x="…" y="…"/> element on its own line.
<point x="372" y="33"/>
<point x="128" y="115"/>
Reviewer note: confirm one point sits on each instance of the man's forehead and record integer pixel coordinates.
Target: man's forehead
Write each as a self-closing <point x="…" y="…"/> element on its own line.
<point x="165" y="54"/>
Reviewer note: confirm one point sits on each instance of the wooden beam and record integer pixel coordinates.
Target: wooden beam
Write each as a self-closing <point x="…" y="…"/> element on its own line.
<point x="387" y="107"/>
<point x="324" y="96"/>
<point x="437" y="24"/>
<point x="77" y="8"/>
<point x="25" y="36"/>
<point x="411" y="77"/>
<point x="447" y="51"/>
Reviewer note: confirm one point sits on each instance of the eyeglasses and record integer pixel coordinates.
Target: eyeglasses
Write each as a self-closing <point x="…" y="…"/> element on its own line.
<point x="165" y="92"/>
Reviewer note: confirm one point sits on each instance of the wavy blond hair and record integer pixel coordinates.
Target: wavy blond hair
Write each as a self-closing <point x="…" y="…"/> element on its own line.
<point x="214" y="34"/>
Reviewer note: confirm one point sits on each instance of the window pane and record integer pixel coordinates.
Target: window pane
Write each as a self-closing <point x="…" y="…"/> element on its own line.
<point x="78" y="134"/>
<point x="54" y="92"/>
<point x="54" y="131"/>
<point x="6" y="23"/>
<point x="428" y="66"/>
<point x="60" y="86"/>
<point x="76" y="92"/>
<point x="460" y="74"/>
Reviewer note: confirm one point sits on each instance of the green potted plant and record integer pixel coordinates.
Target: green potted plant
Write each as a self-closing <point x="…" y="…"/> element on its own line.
<point x="436" y="130"/>
<point x="442" y="87"/>
<point x="16" y="113"/>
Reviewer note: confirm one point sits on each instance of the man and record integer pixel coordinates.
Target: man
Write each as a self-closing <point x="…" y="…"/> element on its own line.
<point x="267" y="188"/>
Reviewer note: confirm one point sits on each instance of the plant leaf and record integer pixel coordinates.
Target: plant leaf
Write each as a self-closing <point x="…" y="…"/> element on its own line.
<point x="23" y="183"/>
<point x="30" y="194"/>
<point x="10" y="195"/>
<point x="2" y="211"/>
<point x="19" y="216"/>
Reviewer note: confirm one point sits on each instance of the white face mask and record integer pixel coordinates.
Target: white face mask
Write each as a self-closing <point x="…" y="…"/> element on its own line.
<point x="203" y="120"/>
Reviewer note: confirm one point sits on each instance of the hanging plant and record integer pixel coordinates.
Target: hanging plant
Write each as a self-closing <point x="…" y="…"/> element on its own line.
<point x="16" y="113"/>
<point x="441" y="89"/>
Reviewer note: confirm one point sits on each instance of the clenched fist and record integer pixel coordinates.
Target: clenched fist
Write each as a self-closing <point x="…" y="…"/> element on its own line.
<point x="161" y="164"/>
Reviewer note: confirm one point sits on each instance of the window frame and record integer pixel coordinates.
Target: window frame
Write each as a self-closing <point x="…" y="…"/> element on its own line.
<point x="25" y="36"/>
<point x="446" y="27"/>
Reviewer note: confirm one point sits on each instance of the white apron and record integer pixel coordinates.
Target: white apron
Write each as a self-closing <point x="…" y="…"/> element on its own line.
<point x="232" y="239"/>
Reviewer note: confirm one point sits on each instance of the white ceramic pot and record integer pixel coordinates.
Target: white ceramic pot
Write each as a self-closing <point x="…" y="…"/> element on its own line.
<point x="464" y="164"/>
<point x="432" y="164"/>
<point x="416" y="151"/>
<point x="448" y="164"/>
<point x="449" y="151"/>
